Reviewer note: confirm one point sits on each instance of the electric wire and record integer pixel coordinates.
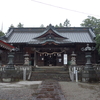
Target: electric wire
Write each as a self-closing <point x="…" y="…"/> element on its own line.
<point x="65" y="8"/>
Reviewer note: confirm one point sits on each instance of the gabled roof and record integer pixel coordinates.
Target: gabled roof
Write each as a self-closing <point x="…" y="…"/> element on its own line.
<point x="53" y="32"/>
<point x="61" y="35"/>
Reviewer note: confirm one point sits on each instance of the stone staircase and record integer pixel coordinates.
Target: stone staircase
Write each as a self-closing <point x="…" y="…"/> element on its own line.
<point x="46" y="72"/>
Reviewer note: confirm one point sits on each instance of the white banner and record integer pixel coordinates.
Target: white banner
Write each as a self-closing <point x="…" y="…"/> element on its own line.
<point x="65" y="59"/>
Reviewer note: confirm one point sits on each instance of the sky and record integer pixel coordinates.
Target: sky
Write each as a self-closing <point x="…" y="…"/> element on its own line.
<point x="33" y="13"/>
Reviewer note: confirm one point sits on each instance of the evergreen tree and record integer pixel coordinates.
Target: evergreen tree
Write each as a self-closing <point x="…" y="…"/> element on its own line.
<point x="98" y="43"/>
<point x="67" y="23"/>
<point x="1" y="33"/>
<point x="20" y="25"/>
<point x="92" y="22"/>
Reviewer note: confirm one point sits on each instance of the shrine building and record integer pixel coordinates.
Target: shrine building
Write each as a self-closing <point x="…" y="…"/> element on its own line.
<point x="48" y="46"/>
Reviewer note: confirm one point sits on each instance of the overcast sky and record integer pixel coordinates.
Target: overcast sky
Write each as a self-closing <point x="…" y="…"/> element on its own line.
<point x="33" y="14"/>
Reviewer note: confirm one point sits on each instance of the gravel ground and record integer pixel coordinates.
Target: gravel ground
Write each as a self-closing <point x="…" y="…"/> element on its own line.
<point x="18" y="91"/>
<point x="16" y="94"/>
<point x="81" y="91"/>
<point x="71" y="90"/>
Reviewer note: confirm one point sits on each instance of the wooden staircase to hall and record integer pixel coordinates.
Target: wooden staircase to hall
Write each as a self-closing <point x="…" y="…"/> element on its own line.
<point x="46" y="72"/>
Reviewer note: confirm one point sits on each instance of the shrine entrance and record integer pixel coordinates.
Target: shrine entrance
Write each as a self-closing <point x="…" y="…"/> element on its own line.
<point x="48" y="56"/>
<point x="50" y="60"/>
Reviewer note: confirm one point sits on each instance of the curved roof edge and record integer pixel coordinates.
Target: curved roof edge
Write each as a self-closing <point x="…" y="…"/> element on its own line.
<point x="6" y="45"/>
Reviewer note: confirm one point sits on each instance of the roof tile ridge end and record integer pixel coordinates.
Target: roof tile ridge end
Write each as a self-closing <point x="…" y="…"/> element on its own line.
<point x="92" y="34"/>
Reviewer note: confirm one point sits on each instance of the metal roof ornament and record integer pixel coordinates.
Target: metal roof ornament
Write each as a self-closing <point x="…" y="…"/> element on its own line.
<point x="50" y="26"/>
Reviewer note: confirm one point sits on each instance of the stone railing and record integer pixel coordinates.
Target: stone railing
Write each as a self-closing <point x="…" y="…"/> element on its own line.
<point x="19" y="72"/>
<point x="19" y="68"/>
<point x="96" y="67"/>
<point x="72" y="71"/>
<point x="79" y="69"/>
<point x="28" y="68"/>
<point x="2" y="68"/>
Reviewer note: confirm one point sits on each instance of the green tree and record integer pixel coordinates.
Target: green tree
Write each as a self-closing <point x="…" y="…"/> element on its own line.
<point x="60" y="25"/>
<point x="56" y="26"/>
<point x="1" y="33"/>
<point x="92" y="22"/>
<point x="98" y="43"/>
<point x="20" y="25"/>
<point x="11" y="26"/>
<point x="67" y="23"/>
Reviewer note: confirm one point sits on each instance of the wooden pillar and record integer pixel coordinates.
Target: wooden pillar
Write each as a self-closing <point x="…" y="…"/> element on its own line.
<point x="34" y="57"/>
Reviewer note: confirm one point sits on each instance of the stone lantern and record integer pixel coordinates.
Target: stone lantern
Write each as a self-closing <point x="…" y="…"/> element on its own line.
<point x="88" y="73"/>
<point x="26" y="59"/>
<point x="10" y="65"/>
<point x="10" y="73"/>
<point x="73" y="58"/>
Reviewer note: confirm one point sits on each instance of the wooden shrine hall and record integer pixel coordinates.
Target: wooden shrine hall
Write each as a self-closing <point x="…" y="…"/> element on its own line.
<point x="49" y="46"/>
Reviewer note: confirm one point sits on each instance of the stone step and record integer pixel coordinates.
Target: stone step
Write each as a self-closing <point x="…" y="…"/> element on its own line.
<point x="50" y="72"/>
<point x="40" y="76"/>
<point x="48" y="69"/>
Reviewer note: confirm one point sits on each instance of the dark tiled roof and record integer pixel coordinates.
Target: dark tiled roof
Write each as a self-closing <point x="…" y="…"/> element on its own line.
<point x="73" y="34"/>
